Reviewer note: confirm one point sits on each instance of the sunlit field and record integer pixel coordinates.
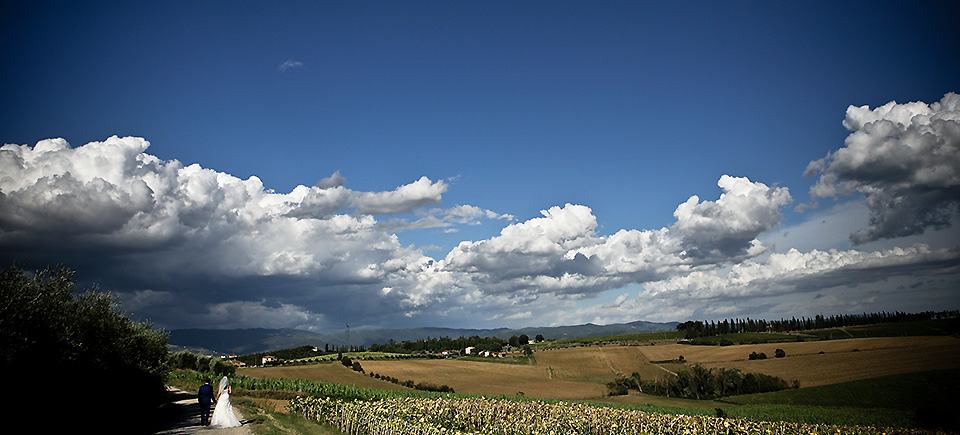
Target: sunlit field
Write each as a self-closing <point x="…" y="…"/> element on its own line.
<point x="841" y="360"/>
<point x="472" y="377"/>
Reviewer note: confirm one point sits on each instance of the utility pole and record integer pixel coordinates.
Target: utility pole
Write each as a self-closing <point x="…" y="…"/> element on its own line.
<point x="348" y="337"/>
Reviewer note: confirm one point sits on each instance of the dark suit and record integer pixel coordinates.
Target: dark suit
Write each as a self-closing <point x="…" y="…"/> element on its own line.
<point x="205" y="397"/>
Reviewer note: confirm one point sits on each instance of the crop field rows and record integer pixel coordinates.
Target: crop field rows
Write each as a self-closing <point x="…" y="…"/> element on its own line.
<point x="331" y="372"/>
<point x="505" y="417"/>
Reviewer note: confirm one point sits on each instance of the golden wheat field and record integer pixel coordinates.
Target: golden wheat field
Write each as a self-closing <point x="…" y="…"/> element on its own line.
<point x="842" y="360"/>
<point x="599" y="364"/>
<point x="472" y="377"/>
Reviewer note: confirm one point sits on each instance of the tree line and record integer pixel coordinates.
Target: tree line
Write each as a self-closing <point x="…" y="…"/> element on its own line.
<point x="283" y="354"/>
<point x="214" y="366"/>
<point x="697" y="329"/>
<point x="433" y="345"/>
<point x="439" y="344"/>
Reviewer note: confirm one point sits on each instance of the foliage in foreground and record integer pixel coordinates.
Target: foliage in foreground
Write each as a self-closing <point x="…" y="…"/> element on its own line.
<point x="507" y="417"/>
<point x="77" y="347"/>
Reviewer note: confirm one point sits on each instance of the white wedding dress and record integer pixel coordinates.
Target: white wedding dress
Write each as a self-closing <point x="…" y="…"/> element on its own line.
<point x="223" y="415"/>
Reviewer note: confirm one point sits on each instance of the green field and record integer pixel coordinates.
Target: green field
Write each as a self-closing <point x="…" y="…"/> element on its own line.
<point x="748" y="338"/>
<point x="648" y="336"/>
<point x="904" y="329"/>
<point x="909" y="400"/>
<point x="908" y="391"/>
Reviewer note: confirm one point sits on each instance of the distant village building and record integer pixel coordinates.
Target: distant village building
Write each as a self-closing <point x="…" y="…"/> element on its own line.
<point x="469" y="350"/>
<point x="267" y="359"/>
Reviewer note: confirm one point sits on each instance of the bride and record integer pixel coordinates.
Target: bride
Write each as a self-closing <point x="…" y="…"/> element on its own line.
<point x="223" y="415"/>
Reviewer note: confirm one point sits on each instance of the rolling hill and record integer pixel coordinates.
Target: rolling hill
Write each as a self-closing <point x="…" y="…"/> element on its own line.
<point x="245" y="341"/>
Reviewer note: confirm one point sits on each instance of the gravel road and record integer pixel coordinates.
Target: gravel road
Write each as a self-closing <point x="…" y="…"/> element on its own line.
<point x="187" y="418"/>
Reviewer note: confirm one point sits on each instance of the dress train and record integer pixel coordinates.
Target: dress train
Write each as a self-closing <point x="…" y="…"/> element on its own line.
<point x="223" y="415"/>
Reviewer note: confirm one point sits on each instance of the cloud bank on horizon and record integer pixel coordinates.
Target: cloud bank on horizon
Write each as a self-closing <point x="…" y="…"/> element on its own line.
<point x="188" y="246"/>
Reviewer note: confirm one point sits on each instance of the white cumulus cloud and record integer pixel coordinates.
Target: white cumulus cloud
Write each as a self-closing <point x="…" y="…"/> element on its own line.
<point x="118" y="208"/>
<point x="729" y="226"/>
<point x="561" y="254"/>
<point x="403" y="199"/>
<point x="904" y="159"/>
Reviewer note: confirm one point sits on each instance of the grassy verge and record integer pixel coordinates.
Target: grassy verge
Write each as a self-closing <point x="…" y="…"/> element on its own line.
<point x="265" y="422"/>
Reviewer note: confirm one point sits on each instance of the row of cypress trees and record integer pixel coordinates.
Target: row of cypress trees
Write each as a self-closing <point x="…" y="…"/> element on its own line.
<point x="696" y="329"/>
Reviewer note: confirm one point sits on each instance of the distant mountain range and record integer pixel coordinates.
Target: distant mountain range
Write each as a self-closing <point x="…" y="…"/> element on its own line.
<point x="246" y="341"/>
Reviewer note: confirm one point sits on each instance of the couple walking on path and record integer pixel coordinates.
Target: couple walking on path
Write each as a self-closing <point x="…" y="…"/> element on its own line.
<point x="185" y="417"/>
<point x="223" y="415"/>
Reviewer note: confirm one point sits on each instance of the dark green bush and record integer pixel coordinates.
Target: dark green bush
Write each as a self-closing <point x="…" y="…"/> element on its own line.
<point x="703" y="383"/>
<point x="755" y="356"/>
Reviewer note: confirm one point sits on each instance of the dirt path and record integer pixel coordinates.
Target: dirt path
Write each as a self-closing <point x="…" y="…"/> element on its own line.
<point x="186" y="419"/>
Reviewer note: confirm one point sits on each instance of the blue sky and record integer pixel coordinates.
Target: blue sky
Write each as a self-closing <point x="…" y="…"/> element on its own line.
<point x="627" y="109"/>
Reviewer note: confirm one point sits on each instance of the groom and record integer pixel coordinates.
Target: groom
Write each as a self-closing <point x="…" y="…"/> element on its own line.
<point x="205" y="397"/>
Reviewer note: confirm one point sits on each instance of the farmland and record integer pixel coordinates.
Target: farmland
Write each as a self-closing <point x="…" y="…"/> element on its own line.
<point x="841" y="360"/>
<point x="582" y="372"/>
<point x="867" y="371"/>
<point x="473" y="415"/>
<point x="472" y="377"/>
